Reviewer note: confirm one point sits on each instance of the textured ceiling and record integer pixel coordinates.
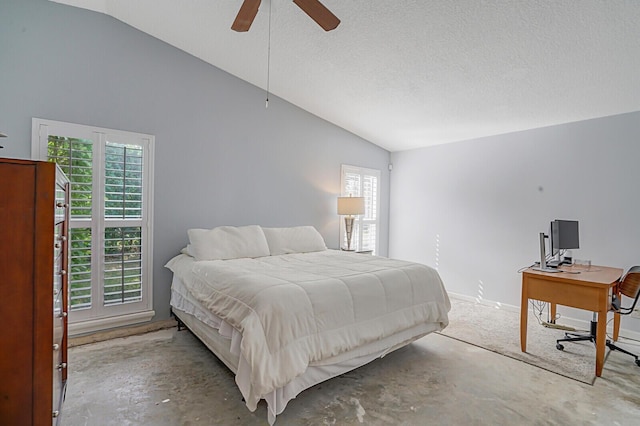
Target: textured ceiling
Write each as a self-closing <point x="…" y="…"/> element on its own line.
<point x="411" y="73"/>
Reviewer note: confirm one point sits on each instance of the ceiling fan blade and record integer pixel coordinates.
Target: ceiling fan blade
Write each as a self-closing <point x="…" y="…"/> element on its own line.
<point x="246" y="15"/>
<point x="319" y="13"/>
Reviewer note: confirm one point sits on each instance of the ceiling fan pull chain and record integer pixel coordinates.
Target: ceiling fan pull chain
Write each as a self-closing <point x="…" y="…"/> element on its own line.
<point x="268" y="56"/>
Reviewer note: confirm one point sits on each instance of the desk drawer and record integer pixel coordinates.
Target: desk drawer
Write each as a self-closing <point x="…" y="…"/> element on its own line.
<point x="569" y="294"/>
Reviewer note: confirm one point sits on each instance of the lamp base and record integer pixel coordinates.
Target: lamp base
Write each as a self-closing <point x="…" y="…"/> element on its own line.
<point x="348" y="225"/>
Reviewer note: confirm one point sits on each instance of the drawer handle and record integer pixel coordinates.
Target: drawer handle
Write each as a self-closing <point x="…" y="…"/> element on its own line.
<point x="55" y="292"/>
<point x="63" y="238"/>
<point x="55" y="414"/>
<point x="57" y="245"/>
<point x="62" y="365"/>
<point x="63" y="314"/>
<point x="63" y="272"/>
<point x="56" y="346"/>
<point x="61" y="204"/>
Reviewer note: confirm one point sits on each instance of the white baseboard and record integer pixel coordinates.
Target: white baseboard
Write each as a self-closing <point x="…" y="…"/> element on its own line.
<point x="572" y="322"/>
<point x="102" y="324"/>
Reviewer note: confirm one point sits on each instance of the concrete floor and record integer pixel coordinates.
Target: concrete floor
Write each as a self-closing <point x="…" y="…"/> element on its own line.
<point x="169" y="378"/>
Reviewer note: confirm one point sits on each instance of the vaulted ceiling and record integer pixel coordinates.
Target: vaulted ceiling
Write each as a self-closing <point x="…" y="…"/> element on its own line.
<point x="411" y="73"/>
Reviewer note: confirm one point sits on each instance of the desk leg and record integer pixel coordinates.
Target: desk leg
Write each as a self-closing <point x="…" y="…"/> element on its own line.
<point x="616" y="320"/>
<point x="524" y="310"/>
<point x="552" y="312"/>
<point x="601" y="337"/>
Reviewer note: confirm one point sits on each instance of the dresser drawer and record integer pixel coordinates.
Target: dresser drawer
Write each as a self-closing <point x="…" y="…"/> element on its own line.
<point x="58" y="327"/>
<point x="58" y="240"/>
<point x="58" y="266"/>
<point x="58" y="274"/>
<point x="61" y="212"/>
<point x="59" y="366"/>
<point x="61" y="204"/>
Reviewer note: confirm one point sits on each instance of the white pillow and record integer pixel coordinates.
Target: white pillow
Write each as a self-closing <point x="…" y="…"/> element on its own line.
<point x="227" y="242"/>
<point x="298" y="239"/>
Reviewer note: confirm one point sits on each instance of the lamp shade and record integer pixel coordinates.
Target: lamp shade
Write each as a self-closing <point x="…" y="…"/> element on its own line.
<point x="350" y="205"/>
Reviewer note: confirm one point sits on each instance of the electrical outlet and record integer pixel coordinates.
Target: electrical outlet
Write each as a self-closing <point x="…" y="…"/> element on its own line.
<point x="635" y="313"/>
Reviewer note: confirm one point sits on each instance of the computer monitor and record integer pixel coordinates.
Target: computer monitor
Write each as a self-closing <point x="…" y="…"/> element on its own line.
<point x="564" y="236"/>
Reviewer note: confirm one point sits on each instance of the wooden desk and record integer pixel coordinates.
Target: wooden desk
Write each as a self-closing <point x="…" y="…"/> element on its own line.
<point x="591" y="290"/>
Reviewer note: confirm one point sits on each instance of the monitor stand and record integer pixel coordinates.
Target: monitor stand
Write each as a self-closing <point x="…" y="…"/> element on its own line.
<point x="554" y="263"/>
<point x="543" y="258"/>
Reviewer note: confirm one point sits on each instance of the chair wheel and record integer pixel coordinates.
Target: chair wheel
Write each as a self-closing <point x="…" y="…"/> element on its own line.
<point x="559" y="347"/>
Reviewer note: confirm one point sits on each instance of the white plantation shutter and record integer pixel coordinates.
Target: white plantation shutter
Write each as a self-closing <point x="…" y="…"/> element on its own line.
<point x="362" y="182"/>
<point x="110" y="220"/>
<point x="123" y="211"/>
<point x="80" y="291"/>
<point x="122" y="265"/>
<point x="369" y="221"/>
<point x="123" y="181"/>
<point x="75" y="158"/>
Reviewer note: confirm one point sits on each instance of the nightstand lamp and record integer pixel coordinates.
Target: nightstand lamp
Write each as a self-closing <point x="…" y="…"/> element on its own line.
<point x="350" y="207"/>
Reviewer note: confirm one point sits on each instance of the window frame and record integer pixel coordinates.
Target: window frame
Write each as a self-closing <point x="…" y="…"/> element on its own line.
<point x="360" y="220"/>
<point x="103" y="316"/>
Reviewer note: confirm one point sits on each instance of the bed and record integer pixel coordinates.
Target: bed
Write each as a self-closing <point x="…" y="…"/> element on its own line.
<point x="284" y="313"/>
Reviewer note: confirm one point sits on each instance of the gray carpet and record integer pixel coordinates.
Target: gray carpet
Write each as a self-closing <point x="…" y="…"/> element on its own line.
<point x="498" y="330"/>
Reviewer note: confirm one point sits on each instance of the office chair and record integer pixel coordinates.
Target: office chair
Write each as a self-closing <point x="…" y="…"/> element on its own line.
<point x="629" y="285"/>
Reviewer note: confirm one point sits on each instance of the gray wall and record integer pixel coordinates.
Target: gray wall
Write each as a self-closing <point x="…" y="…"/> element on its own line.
<point x="475" y="208"/>
<point x="221" y="157"/>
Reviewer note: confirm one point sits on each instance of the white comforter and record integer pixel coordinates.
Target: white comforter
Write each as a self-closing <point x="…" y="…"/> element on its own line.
<point x="298" y="309"/>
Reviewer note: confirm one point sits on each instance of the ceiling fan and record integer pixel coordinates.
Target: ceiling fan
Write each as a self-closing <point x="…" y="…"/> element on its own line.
<point x="316" y="11"/>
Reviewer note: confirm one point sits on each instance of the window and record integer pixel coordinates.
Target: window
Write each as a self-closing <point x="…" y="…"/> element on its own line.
<point x="111" y="175"/>
<point x="361" y="182"/>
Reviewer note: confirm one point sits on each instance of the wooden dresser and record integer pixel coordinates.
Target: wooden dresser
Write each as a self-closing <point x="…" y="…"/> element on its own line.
<point x="34" y="224"/>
